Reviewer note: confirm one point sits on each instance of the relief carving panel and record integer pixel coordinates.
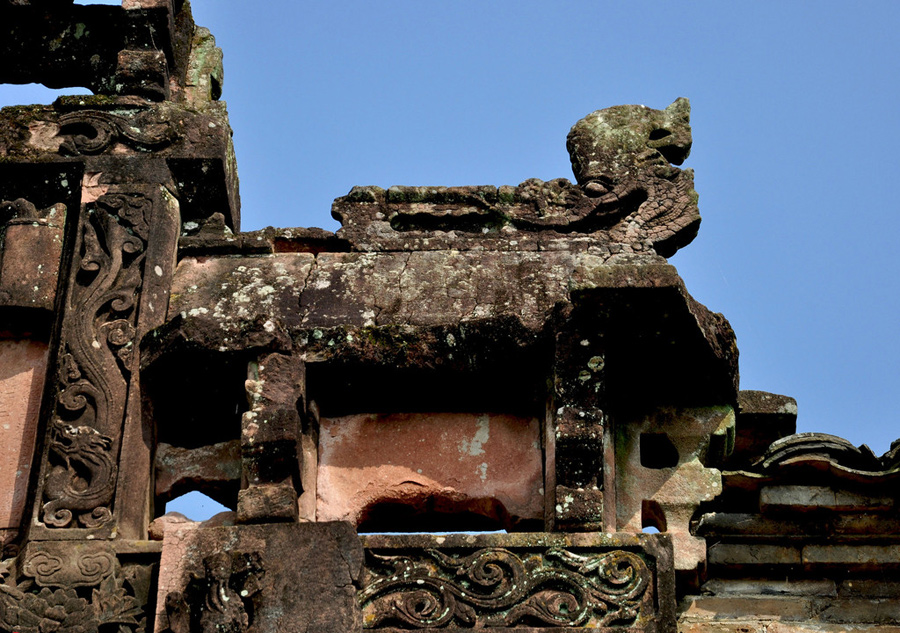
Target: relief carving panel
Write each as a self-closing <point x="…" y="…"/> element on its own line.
<point x="513" y="580"/>
<point x="94" y="366"/>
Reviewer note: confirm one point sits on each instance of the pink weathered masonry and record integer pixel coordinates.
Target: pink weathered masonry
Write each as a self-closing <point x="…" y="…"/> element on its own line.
<point x="23" y="364"/>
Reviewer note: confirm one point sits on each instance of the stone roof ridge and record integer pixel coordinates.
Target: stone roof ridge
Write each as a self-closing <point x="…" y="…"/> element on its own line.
<point x="630" y="197"/>
<point x="804" y="450"/>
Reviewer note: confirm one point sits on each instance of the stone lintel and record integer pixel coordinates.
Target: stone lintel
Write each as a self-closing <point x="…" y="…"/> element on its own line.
<point x="660" y="338"/>
<point x="194" y="144"/>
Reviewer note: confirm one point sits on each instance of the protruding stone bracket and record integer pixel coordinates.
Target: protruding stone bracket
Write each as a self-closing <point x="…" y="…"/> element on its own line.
<point x="95" y="46"/>
<point x="663" y="473"/>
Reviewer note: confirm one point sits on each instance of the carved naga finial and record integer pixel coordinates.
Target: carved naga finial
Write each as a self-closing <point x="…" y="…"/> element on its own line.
<point x="628" y="152"/>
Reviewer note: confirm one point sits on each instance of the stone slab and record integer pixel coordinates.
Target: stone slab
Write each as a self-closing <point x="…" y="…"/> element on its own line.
<point x="306" y="579"/>
<point x="751" y="607"/>
<point x="730" y="554"/>
<point x="820" y="497"/>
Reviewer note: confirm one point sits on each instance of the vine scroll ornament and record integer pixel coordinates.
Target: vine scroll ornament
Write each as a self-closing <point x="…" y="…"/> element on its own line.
<point x="98" y="337"/>
<point x="494" y="587"/>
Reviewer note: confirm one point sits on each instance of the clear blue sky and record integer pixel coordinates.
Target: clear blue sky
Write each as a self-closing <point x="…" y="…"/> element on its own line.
<point x="796" y="137"/>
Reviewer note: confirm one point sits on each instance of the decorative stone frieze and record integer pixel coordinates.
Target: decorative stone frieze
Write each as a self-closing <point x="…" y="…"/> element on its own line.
<point x="539" y="581"/>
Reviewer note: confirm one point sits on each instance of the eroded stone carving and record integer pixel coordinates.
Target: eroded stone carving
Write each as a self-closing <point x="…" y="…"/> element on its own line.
<point x="624" y="155"/>
<point x="62" y="564"/>
<point x="18" y="209"/>
<point x="93" y="369"/>
<point x="219" y="601"/>
<point x="630" y="197"/>
<point x="108" y="608"/>
<point x="93" y="132"/>
<point x="81" y="481"/>
<point x="495" y="587"/>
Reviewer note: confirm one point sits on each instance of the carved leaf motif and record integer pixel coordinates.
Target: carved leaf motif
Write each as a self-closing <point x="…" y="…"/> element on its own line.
<point x="63" y="610"/>
<point x="113" y="604"/>
<point x="58" y="610"/>
<point x="495" y="587"/>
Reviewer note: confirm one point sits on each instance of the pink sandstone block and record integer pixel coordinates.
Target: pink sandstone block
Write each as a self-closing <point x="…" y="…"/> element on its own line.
<point x="23" y="364"/>
<point x="441" y="463"/>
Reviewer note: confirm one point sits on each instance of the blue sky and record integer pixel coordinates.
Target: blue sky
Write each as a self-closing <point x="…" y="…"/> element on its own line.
<point x="795" y="110"/>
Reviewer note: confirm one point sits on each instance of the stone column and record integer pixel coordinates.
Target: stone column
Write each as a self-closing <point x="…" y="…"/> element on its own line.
<point x="271" y="444"/>
<point x="575" y="432"/>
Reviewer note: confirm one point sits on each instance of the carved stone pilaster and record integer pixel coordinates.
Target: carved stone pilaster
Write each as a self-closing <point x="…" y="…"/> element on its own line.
<point x="125" y="239"/>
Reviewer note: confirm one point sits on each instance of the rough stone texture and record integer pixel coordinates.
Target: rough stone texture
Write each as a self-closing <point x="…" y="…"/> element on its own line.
<point x="32" y="247"/>
<point x="215" y="467"/>
<point x="48" y="50"/>
<point x="437" y="471"/>
<point x="267" y="503"/>
<point x="271" y="444"/>
<point x="195" y="146"/>
<point x="622" y="156"/>
<point x="762" y="418"/>
<point x="294" y="592"/>
<point x="816" y="497"/>
<point x="22" y="367"/>
<point x="663" y="473"/>
<point x="233" y="304"/>
<point x="786" y="614"/>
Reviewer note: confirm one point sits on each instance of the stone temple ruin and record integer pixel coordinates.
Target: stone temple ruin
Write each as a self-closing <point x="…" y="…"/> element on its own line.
<point x="502" y="387"/>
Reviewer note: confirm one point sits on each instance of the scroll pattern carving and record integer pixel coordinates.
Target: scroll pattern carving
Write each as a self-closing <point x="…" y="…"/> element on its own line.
<point x="64" y="565"/>
<point x="494" y="587"/>
<point x="93" y="132"/>
<point x="94" y="367"/>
